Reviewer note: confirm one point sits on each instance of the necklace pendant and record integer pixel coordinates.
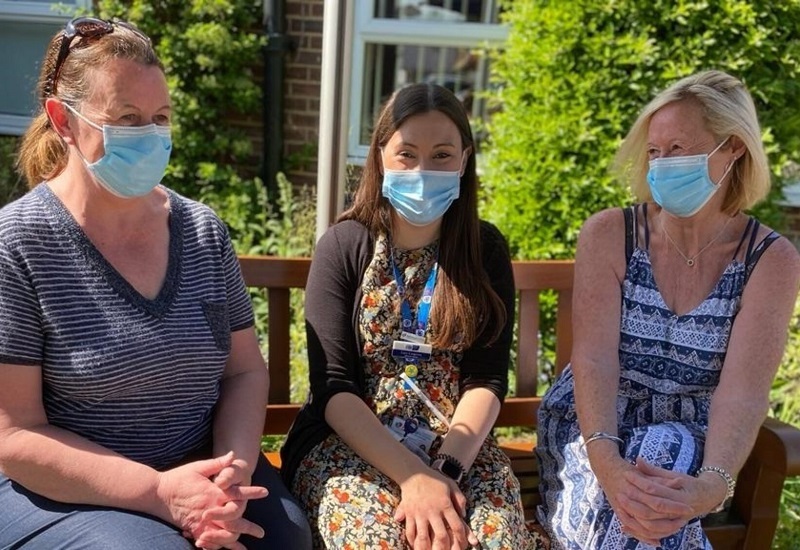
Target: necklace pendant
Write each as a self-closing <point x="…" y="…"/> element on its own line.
<point x="690" y="262"/>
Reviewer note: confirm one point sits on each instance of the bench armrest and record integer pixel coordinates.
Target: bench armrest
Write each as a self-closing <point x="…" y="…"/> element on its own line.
<point x="775" y="456"/>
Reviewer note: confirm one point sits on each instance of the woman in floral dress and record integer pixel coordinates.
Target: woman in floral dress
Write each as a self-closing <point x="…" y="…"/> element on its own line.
<point x="409" y="312"/>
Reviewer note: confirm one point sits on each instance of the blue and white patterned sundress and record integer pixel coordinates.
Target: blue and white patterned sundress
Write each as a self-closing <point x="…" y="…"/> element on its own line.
<point x="669" y="367"/>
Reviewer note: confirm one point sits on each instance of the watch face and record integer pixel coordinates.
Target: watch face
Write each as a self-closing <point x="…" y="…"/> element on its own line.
<point x="450" y="470"/>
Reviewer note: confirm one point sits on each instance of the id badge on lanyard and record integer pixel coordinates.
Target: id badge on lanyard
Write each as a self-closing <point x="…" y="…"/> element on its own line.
<point x="411" y="347"/>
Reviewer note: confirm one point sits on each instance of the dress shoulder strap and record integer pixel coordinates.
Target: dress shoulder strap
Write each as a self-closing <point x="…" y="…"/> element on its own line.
<point x="646" y="227"/>
<point x="628" y="214"/>
<point x="750" y="222"/>
<point x="631" y="234"/>
<point x="754" y="254"/>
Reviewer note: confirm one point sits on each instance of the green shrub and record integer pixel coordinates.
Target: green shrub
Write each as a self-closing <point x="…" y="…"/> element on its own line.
<point x="574" y="75"/>
<point x="12" y="185"/>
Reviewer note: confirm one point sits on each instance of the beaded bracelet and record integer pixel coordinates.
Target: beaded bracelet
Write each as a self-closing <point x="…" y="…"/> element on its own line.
<point x="730" y="484"/>
<point x="603" y="435"/>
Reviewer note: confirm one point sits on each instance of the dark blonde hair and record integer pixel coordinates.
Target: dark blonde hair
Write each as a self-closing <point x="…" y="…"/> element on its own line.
<point x="42" y="153"/>
<point x="466" y="305"/>
<point x="728" y="110"/>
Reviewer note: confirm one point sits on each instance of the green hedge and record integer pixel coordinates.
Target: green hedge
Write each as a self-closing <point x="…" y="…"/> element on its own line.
<point x="573" y="77"/>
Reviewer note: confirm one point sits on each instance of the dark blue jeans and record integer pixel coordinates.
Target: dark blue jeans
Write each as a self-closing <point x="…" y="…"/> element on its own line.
<point x="32" y="522"/>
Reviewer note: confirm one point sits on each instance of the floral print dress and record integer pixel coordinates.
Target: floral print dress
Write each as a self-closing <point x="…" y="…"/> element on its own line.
<point x="354" y="506"/>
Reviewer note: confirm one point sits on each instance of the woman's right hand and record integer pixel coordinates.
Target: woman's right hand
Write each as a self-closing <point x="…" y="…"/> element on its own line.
<point x="434" y="508"/>
<point x="187" y="491"/>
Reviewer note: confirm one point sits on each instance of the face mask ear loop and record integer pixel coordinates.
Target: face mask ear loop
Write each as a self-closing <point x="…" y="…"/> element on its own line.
<point x="83" y="118"/>
<point x="725" y="174"/>
<point x="730" y="164"/>
<point x="86" y="163"/>
<point x="464" y="160"/>
<point x="717" y="148"/>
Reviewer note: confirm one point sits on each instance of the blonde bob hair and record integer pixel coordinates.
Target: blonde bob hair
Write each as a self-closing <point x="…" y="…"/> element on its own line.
<point x="728" y="110"/>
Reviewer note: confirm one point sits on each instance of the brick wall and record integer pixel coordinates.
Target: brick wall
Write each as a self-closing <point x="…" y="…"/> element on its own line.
<point x="302" y="90"/>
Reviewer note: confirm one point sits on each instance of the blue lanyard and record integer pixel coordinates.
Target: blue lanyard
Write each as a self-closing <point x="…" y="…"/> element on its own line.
<point x="424" y="309"/>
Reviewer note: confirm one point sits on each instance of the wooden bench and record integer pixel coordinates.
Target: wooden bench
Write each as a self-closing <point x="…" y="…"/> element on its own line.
<point x="749" y="524"/>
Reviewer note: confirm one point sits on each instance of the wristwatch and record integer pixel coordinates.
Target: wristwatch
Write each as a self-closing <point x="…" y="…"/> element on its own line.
<point x="448" y="466"/>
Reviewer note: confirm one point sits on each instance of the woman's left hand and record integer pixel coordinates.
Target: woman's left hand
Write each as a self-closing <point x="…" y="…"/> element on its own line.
<point x="433" y="509"/>
<point x="223" y="524"/>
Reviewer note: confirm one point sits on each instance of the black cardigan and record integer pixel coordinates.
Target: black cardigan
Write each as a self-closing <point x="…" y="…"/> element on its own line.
<point x="332" y="304"/>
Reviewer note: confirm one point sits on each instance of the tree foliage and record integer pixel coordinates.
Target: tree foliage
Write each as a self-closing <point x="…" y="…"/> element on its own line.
<point x="573" y="76"/>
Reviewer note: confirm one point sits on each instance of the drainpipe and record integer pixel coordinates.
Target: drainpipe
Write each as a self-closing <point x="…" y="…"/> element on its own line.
<point x="278" y="44"/>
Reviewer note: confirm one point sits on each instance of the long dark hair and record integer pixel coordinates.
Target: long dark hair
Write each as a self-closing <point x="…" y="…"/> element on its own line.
<point x="466" y="305"/>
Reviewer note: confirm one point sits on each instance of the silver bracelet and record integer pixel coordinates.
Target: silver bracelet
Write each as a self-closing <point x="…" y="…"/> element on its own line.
<point x="602" y="435"/>
<point x="729" y="482"/>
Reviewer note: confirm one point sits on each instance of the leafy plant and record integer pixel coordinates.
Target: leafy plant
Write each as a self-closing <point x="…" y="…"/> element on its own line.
<point x="290" y="231"/>
<point x="12" y="185"/>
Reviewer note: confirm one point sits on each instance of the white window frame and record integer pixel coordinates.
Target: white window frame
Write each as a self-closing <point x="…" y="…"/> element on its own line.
<point x="33" y="12"/>
<point x="369" y="30"/>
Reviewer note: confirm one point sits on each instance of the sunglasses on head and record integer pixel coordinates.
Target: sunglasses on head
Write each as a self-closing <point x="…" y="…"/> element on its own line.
<point x="86" y="28"/>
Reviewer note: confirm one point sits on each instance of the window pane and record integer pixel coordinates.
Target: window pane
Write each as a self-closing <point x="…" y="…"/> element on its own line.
<point x="475" y="11"/>
<point x="389" y="67"/>
<point x="19" y="72"/>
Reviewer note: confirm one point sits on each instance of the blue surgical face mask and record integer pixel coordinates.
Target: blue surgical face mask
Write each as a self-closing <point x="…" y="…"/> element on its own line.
<point x="421" y="196"/>
<point x="135" y="157"/>
<point x="681" y="185"/>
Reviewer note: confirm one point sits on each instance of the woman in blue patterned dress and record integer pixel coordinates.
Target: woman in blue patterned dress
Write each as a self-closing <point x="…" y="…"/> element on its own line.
<point x="682" y="309"/>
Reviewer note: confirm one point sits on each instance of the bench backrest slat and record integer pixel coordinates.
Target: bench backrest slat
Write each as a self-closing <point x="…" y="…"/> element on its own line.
<point x="280" y="320"/>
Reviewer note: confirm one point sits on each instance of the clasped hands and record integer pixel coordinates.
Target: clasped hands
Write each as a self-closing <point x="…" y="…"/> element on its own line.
<point x="433" y="509"/>
<point x="652" y="503"/>
<point x="206" y="500"/>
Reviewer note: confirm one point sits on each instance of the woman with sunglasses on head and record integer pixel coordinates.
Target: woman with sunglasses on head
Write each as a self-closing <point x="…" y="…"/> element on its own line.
<point x="682" y="304"/>
<point x="133" y="388"/>
<point x="409" y="312"/>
